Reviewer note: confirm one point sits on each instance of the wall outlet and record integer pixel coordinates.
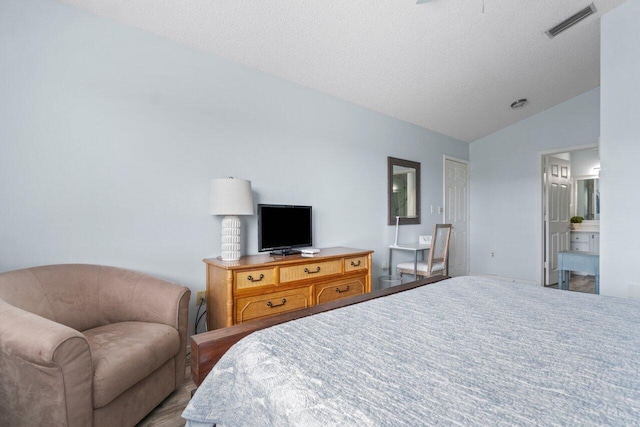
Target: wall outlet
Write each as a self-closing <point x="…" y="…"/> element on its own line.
<point x="201" y="298"/>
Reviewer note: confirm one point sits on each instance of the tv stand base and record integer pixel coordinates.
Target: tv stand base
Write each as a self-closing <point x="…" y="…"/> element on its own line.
<point x="285" y="252"/>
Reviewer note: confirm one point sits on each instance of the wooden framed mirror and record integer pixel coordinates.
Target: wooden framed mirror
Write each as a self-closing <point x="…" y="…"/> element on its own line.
<point x="403" y="190"/>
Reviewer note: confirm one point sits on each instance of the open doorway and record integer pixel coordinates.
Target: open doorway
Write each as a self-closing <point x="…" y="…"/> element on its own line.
<point x="570" y="189"/>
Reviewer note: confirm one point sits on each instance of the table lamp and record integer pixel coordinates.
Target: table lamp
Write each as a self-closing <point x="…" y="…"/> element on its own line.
<point x="231" y="197"/>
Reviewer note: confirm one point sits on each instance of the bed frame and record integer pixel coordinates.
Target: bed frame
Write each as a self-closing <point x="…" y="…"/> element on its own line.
<point x="207" y="348"/>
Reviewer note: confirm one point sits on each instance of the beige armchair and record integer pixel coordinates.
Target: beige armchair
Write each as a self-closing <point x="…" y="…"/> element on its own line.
<point x="87" y="345"/>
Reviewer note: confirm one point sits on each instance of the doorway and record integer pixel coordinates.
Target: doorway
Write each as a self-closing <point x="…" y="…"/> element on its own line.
<point x="563" y="175"/>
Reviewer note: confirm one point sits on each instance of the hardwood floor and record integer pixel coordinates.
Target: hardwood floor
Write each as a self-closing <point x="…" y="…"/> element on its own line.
<point x="167" y="414"/>
<point x="586" y="284"/>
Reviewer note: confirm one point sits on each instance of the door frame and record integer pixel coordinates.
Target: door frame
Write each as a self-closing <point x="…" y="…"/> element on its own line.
<point x="446" y="157"/>
<point x="542" y="201"/>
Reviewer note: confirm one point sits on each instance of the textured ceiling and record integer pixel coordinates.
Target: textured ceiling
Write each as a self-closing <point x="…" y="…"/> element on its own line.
<point x="451" y="66"/>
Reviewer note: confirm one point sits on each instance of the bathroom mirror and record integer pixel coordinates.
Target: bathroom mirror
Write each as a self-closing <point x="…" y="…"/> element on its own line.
<point x="587" y="197"/>
<point x="403" y="189"/>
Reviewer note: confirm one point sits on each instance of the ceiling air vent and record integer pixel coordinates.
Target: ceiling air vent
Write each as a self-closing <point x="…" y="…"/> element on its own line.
<point x="571" y="21"/>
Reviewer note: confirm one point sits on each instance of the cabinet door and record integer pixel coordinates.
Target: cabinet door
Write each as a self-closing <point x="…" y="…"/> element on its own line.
<point x="594" y="243"/>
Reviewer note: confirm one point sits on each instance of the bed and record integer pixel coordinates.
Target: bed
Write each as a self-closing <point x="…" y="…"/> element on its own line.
<point x="463" y="351"/>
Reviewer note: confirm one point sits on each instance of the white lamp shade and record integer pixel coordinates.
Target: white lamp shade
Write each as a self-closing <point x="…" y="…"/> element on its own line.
<point x="230" y="196"/>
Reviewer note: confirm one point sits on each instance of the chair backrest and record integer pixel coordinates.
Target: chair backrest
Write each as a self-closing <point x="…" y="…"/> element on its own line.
<point x="439" y="252"/>
<point x="80" y="296"/>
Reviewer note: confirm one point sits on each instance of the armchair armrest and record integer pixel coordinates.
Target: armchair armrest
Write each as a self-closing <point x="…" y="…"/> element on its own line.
<point x="53" y="360"/>
<point x="158" y="301"/>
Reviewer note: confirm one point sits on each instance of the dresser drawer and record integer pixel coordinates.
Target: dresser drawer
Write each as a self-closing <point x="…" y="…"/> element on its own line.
<point x="354" y="264"/>
<point x="580" y="246"/>
<point x="310" y="271"/>
<point x="580" y="237"/>
<point x="339" y="289"/>
<point x="267" y="305"/>
<point x="255" y="278"/>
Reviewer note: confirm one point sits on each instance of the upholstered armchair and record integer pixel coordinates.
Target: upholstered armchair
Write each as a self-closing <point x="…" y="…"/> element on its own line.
<point x="87" y="345"/>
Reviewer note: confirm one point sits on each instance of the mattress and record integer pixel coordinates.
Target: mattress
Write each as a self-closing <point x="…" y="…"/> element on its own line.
<point x="465" y="351"/>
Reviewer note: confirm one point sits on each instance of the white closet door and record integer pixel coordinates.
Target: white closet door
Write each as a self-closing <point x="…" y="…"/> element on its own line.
<point x="456" y="203"/>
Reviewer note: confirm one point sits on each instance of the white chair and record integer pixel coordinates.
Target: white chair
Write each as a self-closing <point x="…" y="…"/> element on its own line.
<point x="438" y="258"/>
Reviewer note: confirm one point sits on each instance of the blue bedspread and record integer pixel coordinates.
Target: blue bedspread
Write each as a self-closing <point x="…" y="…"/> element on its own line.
<point x="466" y="351"/>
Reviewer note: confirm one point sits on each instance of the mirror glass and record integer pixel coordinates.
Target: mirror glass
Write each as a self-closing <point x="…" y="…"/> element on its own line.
<point x="588" y="198"/>
<point x="403" y="189"/>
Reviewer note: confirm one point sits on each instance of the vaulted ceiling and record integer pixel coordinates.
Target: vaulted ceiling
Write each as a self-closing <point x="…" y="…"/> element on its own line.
<point x="451" y="66"/>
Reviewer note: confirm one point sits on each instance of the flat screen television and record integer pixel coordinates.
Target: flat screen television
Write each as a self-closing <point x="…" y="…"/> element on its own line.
<point x="283" y="227"/>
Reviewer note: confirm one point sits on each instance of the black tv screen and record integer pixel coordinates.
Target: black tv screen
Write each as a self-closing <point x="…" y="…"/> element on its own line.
<point x="282" y="227"/>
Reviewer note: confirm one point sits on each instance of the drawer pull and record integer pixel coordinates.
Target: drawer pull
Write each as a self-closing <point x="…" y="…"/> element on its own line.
<point x="272" y="305"/>
<point x="353" y="264"/>
<point x="251" y="279"/>
<point x="346" y="289"/>
<point x="317" y="270"/>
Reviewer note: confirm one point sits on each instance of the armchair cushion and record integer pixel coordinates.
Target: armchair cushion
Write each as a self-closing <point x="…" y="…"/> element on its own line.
<point x="124" y="353"/>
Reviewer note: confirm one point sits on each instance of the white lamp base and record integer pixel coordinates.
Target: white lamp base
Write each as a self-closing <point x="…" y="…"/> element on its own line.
<point x="231" y="232"/>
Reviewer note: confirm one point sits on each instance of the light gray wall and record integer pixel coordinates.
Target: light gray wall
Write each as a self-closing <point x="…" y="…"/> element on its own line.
<point x="620" y="151"/>
<point x="109" y="137"/>
<point x="506" y="193"/>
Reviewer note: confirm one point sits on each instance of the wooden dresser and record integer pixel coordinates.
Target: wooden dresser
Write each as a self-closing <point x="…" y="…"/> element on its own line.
<point x="259" y="286"/>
